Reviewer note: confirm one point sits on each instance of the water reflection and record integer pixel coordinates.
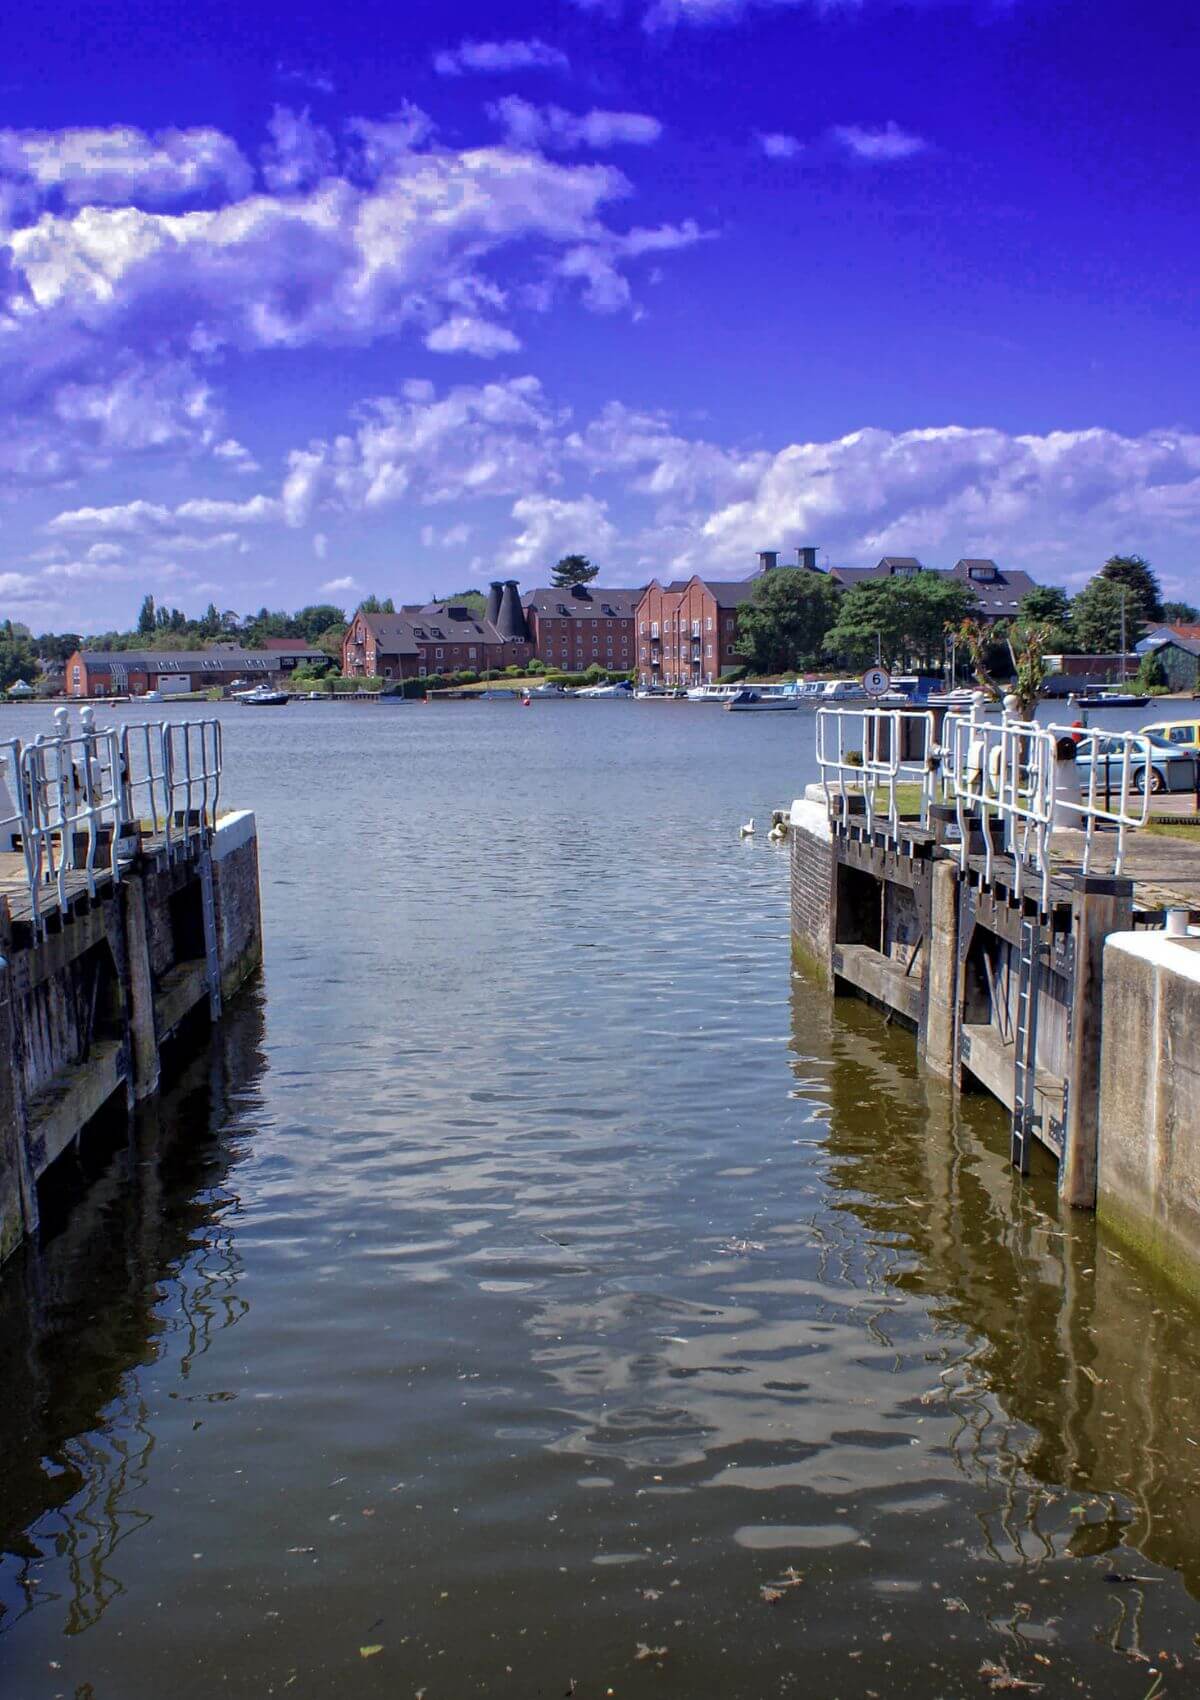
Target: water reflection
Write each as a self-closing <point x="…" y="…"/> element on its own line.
<point x="1080" y="1376"/>
<point x="139" y="1265"/>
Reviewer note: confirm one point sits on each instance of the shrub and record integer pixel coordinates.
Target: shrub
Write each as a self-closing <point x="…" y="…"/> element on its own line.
<point x="466" y="676"/>
<point x="513" y="671"/>
<point x="536" y="666"/>
<point x="488" y="674"/>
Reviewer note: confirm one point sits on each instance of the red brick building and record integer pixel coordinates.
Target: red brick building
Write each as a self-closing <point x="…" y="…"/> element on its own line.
<point x="582" y="624"/>
<point x="687" y="630"/>
<point x="133" y="672"/>
<point x="438" y="637"/>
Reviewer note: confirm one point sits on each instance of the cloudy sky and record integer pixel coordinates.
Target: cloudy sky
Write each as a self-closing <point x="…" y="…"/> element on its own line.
<point x="301" y="299"/>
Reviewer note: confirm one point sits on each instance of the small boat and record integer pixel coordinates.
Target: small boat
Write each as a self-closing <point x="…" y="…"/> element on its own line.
<point x="644" y="691"/>
<point x="753" y="701"/>
<point x="623" y="689"/>
<point x="491" y="695"/>
<point x="713" y="693"/>
<point x="547" y="690"/>
<point x="262" y="697"/>
<point x="1104" y="698"/>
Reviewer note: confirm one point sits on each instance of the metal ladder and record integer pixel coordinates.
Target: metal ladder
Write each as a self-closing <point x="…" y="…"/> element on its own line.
<point x="1024" y="1121"/>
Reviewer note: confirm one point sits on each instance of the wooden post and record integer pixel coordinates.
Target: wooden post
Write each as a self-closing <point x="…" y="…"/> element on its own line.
<point x="1102" y="905"/>
<point x="940" y="1014"/>
<point x="18" y="1188"/>
<point x="142" y="1032"/>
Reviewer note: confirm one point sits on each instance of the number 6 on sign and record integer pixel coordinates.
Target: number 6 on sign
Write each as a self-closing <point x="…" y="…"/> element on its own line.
<point x="876" y="681"/>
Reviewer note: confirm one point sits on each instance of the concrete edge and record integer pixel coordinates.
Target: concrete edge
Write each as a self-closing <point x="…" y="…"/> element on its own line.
<point x="1173" y="955"/>
<point x="233" y="832"/>
<point x="812" y="817"/>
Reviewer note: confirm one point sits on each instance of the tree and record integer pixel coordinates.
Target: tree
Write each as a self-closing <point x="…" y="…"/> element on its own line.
<point x="572" y="569"/>
<point x="785" y="622"/>
<point x="1151" y="674"/>
<point x="17" y="658"/>
<point x="1047" y="603"/>
<point x="475" y="600"/>
<point x="316" y="618"/>
<point x="1096" y="616"/>
<point x="1139" y="579"/>
<point x="899" y="618"/>
<point x="1179" y="614"/>
<point x="1026" y="644"/>
<point x="146" y="620"/>
<point x="372" y="605"/>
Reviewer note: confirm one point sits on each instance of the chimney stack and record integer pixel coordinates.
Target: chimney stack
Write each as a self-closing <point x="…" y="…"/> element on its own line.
<point x="808" y="557"/>
<point x="495" y="593"/>
<point x="768" y="558"/>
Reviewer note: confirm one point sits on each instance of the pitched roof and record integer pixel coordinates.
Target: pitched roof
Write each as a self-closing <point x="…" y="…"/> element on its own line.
<point x="182" y="660"/>
<point x="999" y="589"/>
<point x="583" y="602"/>
<point x="731" y="593"/>
<point x="429" y="622"/>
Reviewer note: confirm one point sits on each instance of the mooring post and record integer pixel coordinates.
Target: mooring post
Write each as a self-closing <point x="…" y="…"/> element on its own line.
<point x="18" y="1189"/>
<point x="1102" y="904"/>
<point x="143" y="1034"/>
<point x="940" y="1014"/>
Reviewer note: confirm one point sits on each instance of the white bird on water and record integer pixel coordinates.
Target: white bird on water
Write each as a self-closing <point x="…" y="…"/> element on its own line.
<point x="748" y="828"/>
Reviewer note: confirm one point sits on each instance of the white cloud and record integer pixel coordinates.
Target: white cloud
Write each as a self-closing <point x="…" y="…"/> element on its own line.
<point x="491" y="57"/>
<point x="320" y="545"/>
<point x="149" y="519"/>
<point x="551" y="527"/>
<point x="777" y="144"/>
<point x="235" y="454"/>
<point x="382" y="141"/>
<point x="119" y="165"/>
<point x="552" y="128"/>
<point x="454" y="536"/>
<point x="299" y="153"/>
<point x="317" y="81"/>
<point x="1047" y="500"/>
<point x="339" y="585"/>
<point x="464" y="334"/>
<point x="880" y="146"/>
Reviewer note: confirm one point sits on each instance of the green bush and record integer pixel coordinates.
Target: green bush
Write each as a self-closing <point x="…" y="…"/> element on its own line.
<point x="488" y="674"/>
<point x="513" y="671"/>
<point x="466" y="676"/>
<point x="536" y="666"/>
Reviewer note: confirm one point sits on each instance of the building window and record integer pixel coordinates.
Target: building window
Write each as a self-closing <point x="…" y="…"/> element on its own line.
<point x="708" y="650"/>
<point x="708" y="624"/>
<point x="471" y="652"/>
<point x="439" y="653"/>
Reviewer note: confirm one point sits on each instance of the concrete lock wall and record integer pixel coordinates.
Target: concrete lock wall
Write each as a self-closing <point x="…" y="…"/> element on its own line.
<point x="236" y="899"/>
<point x="812" y="877"/>
<point x="1148" y="1183"/>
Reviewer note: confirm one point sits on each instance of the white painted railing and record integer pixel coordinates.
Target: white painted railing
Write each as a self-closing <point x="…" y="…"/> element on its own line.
<point x="869" y="753"/>
<point x="67" y="796"/>
<point x="1035" y="780"/>
<point x="1002" y="770"/>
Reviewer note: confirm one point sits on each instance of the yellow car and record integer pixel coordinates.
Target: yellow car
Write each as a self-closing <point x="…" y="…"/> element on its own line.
<point x="1184" y="734"/>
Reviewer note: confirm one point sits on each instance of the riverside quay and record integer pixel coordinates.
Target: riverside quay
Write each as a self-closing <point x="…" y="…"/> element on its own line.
<point x="129" y="908"/>
<point x="998" y="887"/>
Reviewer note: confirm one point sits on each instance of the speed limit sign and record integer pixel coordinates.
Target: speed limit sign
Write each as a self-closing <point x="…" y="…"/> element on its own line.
<point x="877" y="681"/>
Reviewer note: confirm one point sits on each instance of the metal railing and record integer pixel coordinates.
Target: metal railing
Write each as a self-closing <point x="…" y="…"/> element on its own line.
<point x="1034" y="780"/>
<point x="68" y="800"/>
<point x="1004" y="771"/>
<point x="868" y="754"/>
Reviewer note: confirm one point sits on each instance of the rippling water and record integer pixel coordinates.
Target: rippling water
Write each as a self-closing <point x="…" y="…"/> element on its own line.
<point x="536" y="1290"/>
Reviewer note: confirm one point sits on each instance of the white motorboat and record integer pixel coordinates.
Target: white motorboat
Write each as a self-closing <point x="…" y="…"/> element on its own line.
<point x="713" y="693"/>
<point x="262" y="697"/>
<point x="753" y="700"/>
<point x="547" y="690"/>
<point x="623" y="689"/>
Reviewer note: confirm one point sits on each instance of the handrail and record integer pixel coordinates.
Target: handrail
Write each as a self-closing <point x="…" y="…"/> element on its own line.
<point x="1132" y="805"/>
<point x="59" y="793"/>
<point x="1020" y="773"/>
<point x="883" y="736"/>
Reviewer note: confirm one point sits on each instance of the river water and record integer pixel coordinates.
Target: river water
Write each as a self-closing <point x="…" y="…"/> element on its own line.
<point x="536" y="1290"/>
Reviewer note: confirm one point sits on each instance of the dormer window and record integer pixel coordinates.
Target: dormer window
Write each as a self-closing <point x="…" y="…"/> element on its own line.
<point x="984" y="572"/>
<point x="905" y="569"/>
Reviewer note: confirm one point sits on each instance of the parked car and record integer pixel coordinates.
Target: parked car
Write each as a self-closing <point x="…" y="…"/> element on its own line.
<point x="1182" y="734"/>
<point x="1171" y="769"/>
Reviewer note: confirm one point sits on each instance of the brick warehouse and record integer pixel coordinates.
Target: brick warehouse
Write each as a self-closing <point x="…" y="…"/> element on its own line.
<point x="687" y="630"/>
<point x="438" y="637"/>
<point x="578" y="625"/>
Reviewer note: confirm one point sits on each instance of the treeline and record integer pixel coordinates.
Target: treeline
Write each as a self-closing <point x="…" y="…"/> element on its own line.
<point x="798" y="619"/>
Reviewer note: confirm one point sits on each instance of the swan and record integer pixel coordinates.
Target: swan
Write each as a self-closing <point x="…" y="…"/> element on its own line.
<point x="747" y="830"/>
<point x="777" y="833"/>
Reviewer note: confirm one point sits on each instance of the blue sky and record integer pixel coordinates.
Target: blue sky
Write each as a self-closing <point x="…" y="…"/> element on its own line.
<point x="300" y="301"/>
